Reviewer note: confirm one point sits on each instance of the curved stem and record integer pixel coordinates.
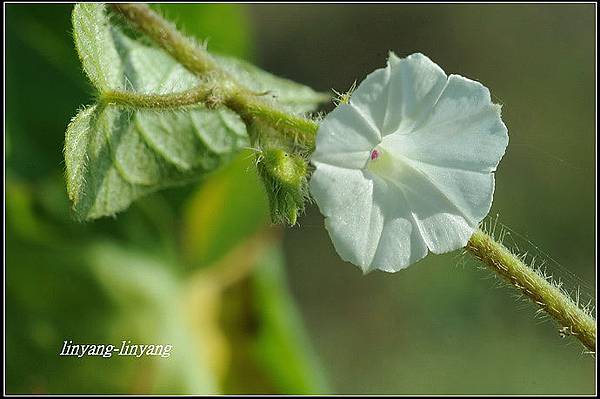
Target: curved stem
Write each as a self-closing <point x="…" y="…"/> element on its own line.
<point x="198" y="61"/>
<point x="184" y="50"/>
<point x="573" y="320"/>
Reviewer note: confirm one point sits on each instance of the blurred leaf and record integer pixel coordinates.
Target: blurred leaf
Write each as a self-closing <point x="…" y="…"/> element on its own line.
<point x="208" y="289"/>
<point x="20" y="215"/>
<point x="282" y="347"/>
<point x="153" y="311"/>
<point x="157" y="307"/>
<point x="229" y="207"/>
<point x="51" y="296"/>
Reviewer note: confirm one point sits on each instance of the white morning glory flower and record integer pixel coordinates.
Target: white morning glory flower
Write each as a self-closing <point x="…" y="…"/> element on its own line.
<point x="407" y="166"/>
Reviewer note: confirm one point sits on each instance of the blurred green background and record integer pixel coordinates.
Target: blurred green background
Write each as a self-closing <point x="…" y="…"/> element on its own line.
<point x="252" y="308"/>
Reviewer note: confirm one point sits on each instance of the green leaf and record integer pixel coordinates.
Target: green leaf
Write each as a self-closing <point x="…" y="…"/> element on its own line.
<point x="95" y="47"/>
<point x="114" y="155"/>
<point x="289" y="95"/>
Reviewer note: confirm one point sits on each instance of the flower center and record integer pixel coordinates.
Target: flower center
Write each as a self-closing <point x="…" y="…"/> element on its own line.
<point x="383" y="164"/>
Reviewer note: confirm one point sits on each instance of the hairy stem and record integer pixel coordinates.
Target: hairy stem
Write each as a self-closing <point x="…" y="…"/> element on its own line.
<point x="573" y="320"/>
<point x="298" y="129"/>
<point x="184" y="50"/>
<point x="165" y="101"/>
<point x="197" y="60"/>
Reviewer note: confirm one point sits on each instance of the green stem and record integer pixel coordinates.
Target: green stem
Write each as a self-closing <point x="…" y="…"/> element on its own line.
<point x="296" y="129"/>
<point x="171" y="100"/>
<point x="573" y="320"/>
<point x="300" y="130"/>
<point x="184" y="50"/>
<point x="247" y="104"/>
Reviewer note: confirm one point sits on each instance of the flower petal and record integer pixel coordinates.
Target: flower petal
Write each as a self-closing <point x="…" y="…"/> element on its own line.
<point x="401" y="243"/>
<point x="398" y="97"/>
<point x="368" y="220"/>
<point x="470" y="191"/>
<point x="444" y="223"/>
<point x="464" y="130"/>
<point x="345" y="138"/>
<point x="436" y="141"/>
<point x="345" y="198"/>
<point x="445" y="217"/>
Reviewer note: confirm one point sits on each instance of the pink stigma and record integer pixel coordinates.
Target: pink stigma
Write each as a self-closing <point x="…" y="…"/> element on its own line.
<point x="374" y="155"/>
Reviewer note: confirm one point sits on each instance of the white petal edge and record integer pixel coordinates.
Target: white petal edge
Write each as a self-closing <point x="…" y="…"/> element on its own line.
<point x="463" y="131"/>
<point x="345" y="198"/>
<point x="368" y="220"/>
<point x="397" y="97"/>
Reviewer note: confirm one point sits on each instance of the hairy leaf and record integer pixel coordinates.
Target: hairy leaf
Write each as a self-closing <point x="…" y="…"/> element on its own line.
<point x="291" y="96"/>
<point x="95" y="46"/>
<point x="115" y="154"/>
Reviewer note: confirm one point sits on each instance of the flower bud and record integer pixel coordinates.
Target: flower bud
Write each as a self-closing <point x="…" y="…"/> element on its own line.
<point x="284" y="176"/>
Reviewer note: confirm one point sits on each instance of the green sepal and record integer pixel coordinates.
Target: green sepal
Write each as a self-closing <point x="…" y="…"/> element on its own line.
<point x="284" y="176"/>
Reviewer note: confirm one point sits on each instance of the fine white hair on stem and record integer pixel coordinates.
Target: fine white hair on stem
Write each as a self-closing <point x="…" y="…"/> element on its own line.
<point x="535" y="284"/>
